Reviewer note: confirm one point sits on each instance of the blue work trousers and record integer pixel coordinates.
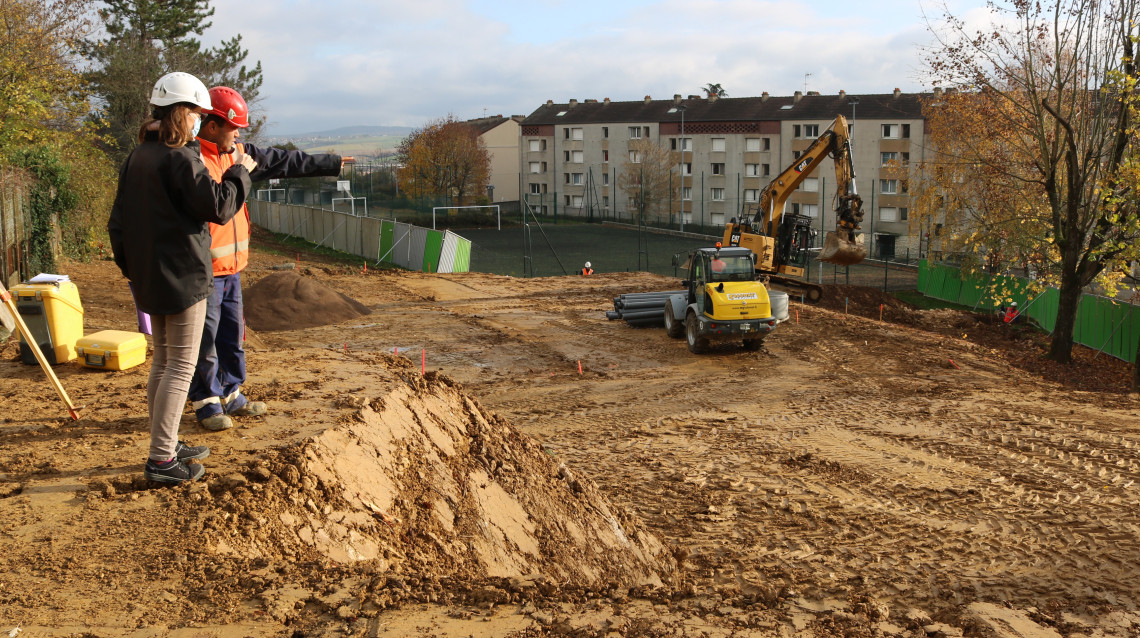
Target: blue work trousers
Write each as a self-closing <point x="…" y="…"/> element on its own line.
<point x="221" y="358"/>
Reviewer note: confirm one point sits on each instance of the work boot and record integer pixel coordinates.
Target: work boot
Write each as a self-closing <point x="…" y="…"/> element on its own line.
<point x="251" y="408"/>
<point x="172" y="471"/>
<point x="184" y="452"/>
<point x="217" y="423"/>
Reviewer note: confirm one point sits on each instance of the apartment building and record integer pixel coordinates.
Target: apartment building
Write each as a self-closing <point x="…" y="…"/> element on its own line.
<point x="501" y="136"/>
<point x="726" y="150"/>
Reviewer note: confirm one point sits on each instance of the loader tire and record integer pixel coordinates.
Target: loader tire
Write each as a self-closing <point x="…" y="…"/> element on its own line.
<point x="697" y="343"/>
<point x="673" y="328"/>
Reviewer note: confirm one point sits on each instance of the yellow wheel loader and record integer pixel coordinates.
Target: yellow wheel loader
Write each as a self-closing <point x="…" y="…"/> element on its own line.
<point x="780" y="240"/>
<point x="723" y="301"/>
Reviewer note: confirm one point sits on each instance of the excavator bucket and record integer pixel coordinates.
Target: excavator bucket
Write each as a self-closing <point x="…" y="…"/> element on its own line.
<point x="841" y="251"/>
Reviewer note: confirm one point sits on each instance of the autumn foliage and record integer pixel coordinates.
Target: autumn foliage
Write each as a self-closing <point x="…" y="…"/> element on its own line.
<point x="445" y="158"/>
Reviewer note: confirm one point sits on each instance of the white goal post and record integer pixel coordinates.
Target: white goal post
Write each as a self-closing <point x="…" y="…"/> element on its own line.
<point x="498" y="212"/>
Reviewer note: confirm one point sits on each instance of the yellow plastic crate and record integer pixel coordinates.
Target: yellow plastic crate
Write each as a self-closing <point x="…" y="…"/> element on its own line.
<point x="112" y="350"/>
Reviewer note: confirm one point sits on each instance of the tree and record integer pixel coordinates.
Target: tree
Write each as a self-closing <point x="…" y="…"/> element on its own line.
<point x="647" y="178"/>
<point x="40" y="88"/>
<point x="714" y="89"/>
<point x="445" y="158"/>
<point x="146" y="39"/>
<point x="1048" y="76"/>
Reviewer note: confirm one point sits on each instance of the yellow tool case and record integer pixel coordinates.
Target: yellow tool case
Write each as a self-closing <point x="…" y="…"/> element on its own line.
<point x="112" y="350"/>
<point x="54" y="316"/>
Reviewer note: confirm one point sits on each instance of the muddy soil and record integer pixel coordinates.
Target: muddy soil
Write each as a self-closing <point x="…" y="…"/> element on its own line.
<point x="489" y="456"/>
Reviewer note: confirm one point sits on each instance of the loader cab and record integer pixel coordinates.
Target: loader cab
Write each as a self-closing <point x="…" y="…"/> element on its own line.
<point x="712" y="265"/>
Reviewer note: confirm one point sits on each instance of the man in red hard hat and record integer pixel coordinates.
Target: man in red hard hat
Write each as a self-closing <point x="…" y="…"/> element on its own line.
<point x="215" y="390"/>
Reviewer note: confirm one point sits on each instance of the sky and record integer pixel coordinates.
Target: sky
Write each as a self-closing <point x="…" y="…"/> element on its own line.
<point x="333" y="63"/>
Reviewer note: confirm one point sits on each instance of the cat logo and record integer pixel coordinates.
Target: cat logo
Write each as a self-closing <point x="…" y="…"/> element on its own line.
<point x="734" y="240"/>
<point x="802" y="165"/>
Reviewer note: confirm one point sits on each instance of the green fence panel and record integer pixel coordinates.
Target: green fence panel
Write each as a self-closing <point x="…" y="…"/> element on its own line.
<point x="387" y="229"/>
<point x="923" y="274"/>
<point x="462" y="256"/>
<point x="432" y="249"/>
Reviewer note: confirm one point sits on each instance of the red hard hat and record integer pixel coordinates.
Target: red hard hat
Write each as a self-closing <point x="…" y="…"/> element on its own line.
<point x="229" y="105"/>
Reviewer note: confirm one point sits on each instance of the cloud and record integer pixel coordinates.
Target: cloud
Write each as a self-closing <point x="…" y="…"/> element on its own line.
<point x="335" y="63"/>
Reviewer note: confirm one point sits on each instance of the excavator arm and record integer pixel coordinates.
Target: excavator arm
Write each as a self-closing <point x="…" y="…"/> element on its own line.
<point x="774" y="240"/>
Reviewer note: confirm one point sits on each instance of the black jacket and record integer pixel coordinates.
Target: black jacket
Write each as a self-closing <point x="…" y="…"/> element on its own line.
<point x="158" y="223"/>
<point x="274" y="163"/>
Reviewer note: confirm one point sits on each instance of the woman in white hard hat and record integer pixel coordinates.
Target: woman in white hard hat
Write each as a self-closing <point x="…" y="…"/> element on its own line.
<point x="161" y="241"/>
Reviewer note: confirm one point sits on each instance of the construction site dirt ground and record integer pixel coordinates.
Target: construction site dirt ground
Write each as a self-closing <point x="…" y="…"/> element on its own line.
<point x="479" y="455"/>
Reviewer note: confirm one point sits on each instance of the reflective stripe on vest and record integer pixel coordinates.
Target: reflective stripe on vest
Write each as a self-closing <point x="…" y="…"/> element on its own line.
<point x="229" y="242"/>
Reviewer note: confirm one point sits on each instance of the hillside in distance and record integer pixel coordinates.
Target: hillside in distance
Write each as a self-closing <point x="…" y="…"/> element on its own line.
<point x="361" y="142"/>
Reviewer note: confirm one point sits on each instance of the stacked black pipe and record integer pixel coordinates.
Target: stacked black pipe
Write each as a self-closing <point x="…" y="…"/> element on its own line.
<point x="641" y="308"/>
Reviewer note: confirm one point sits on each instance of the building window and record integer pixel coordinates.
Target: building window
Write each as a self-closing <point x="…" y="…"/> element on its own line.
<point x="888" y="157"/>
<point x="566" y="177"/>
<point x="544" y="167"/>
<point x="575" y="133"/>
<point x="535" y="146"/>
<point x="796" y="154"/>
<point x="686" y="145"/>
<point x="811" y="210"/>
<point x="751" y="195"/>
<point x="687" y="193"/>
<point x="767" y="145"/>
<point x="718" y="144"/>
<point x="605" y="132"/>
<point x="888" y="214"/>
<point x="566" y="133"/>
<point x="810" y="185"/>
<point x="576" y="178"/>
<point x="536" y="189"/>
<point x="635" y="157"/>
<point x="891" y="131"/>
<point x="718" y="168"/>
<point x="576" y="201"/>
<point x="577" y="156"/>
<point x="565" y="156"/>
<point x="605" y="156"/>
<point x="687" y="168"/>
<point x="752" y="145"/>
<point x="566" y="198"/>
<point x="902" y="214"/>
<point x="605" y="201"/>
<point x="605" y="179"/>
<point x="535" y="167"/>
<point x="805" y="130"/>
<point x="889" y="186"/>
<point x="647" y="132"/>
<point x="906" y="131"/>
<point x="752" y="170"/>
<point x="765" y="170"/>
<point x="718" y="194"/>
<point x="635" y="132"/>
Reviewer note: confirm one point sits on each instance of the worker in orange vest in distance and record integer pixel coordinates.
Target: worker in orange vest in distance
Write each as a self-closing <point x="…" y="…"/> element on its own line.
<point x="1010" y="313"/>
<point x="587" y="270"/>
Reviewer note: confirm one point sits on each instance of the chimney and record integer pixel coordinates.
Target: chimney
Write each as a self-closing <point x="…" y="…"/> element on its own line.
<point x="607" y="100"/>
<point x="796" y="97"/>
<point x="550" y="101"/>
<point x="573" y="102"/>
<point x="842" y="94"/>
<point x="764" y="96"/>
<point x="897" y="92"/>
<point x="676" y="98"/>
<point x="937" y="92"/>
<point x="713" y="97"/>
<point x="648" y="99"/>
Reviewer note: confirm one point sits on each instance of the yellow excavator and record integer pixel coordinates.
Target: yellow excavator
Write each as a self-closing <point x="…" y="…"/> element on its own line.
<point x="780" y="241"/>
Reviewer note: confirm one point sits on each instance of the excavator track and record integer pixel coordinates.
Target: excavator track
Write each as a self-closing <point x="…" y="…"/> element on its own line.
<point x="797" y="288"/>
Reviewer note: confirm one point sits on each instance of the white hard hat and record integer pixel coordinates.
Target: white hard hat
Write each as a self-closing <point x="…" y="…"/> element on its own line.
<point x="176" y="87"/>
<point x="587" y="264"/>
<point x="1014" y="304"/>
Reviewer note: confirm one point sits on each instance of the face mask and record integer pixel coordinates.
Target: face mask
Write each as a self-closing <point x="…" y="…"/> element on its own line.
<point x="197" y="126"/>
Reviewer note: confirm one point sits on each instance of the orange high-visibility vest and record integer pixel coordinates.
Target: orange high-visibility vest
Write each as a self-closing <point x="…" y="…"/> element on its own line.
<point x="229" y="243"/>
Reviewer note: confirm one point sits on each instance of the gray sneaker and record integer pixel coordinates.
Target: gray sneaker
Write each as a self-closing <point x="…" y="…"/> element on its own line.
<point x="251" y="408"/>
<point x="173" y="471"/>
<point x="184" y="452"/>
<point x="217" y="423"/>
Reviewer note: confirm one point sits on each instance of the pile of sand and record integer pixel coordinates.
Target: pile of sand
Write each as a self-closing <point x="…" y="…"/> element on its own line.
<point x="425" y="481"/>
<point x="287" y="301"/>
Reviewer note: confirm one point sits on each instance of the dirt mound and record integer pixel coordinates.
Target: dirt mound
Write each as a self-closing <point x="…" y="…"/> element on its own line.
<point x="287" y="301"/>
<point x="424" y="481"/>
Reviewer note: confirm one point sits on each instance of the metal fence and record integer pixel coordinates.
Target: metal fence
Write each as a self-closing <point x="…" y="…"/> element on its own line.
<point x="15" y="229"/>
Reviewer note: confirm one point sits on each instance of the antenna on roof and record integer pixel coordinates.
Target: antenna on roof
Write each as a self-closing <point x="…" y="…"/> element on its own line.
<point x="806" y="76"/>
